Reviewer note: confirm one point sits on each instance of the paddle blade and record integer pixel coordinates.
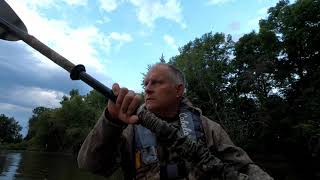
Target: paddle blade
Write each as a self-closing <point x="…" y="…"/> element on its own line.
<point x="8" y="16"/>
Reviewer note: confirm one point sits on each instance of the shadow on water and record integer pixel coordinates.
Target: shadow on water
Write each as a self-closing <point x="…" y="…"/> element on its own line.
<point x="27" y="165"/>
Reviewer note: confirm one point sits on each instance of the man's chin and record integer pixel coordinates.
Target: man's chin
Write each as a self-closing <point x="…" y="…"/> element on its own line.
<point x="151" y="108"/>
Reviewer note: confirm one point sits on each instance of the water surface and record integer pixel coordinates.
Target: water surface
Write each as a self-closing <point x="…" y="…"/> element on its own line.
<point x="26" y="165"/>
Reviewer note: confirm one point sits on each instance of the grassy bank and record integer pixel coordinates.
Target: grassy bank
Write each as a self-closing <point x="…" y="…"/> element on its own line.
<point x="16" y="146"/>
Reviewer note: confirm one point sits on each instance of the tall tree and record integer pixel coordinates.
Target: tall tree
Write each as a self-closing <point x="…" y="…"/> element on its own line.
<point x="296" y="27"/>
<point x="64" y="128"/>
<point x="9" y="130"/>
<point x="204" y="62"/>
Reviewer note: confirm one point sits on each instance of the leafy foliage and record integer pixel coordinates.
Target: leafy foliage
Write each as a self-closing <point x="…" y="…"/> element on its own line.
<point x="64" y="128"/>
<point x="9" y="130"/>
<point x="264" y="89"/>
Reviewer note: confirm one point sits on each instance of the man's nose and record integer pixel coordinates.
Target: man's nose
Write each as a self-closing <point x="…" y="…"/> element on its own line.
<point x="148" y="88"/>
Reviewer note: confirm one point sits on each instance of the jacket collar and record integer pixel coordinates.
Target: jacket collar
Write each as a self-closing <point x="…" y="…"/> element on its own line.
<point x="185" y="102"/>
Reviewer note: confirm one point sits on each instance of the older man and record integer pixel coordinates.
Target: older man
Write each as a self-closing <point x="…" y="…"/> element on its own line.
<point x="186" y="145"/>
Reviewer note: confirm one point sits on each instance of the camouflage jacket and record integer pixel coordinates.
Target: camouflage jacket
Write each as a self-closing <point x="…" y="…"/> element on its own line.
<point x="109" y="146"/>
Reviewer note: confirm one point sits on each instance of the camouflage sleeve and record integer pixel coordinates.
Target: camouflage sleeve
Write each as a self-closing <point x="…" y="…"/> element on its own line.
<point x="233" y="155"/>
<point x="254" y="172"/>
<point x="100" y="152"/>
<point x="228" y="152"/>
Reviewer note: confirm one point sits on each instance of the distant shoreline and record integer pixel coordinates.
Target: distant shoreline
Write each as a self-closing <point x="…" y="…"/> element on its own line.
<point x="18" y="148"/>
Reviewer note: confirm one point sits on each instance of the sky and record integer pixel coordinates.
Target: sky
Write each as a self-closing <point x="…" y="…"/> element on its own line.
<point x="116" y="40"/>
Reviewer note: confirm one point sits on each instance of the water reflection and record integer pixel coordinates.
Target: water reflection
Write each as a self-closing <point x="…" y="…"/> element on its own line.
<point x="41" y="166"/>
<point x="9" y="165"/>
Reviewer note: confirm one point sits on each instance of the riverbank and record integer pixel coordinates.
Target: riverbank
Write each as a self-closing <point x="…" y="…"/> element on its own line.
<point x="17" y="146"/>
<point x="23" y="146"/>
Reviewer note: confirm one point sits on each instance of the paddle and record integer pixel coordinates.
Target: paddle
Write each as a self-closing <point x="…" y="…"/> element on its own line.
<point x="13" y="29"/>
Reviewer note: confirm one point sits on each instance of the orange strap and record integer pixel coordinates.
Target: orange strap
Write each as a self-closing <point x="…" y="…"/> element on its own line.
<point x="138" y="159"/>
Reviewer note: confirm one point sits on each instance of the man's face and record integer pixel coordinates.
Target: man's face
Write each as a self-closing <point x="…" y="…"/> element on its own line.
<point x="161" y="93"/>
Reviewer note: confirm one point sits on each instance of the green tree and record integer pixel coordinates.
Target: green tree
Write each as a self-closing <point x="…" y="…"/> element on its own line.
<point x="36" y="112"/>
<point x="252" y="81"/>
<point x="9" y="130"/>
<point x="204" y="62"/>
<point x="296" y="27"/>
<point x="64" y="128"/>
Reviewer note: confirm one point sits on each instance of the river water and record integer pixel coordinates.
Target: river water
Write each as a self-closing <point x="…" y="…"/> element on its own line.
<point x="26" y="165"/>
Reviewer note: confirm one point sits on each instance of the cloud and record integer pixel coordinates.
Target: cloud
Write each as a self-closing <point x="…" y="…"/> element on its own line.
<point x="234" y="26"/>
<point x="145" y="33"/>
<point x="272" y="1"/>
<point x="120" y="38"/>
<point x="25" y="85"/>
<point x="81" y="45"/>
<point x="6" y="107"/>
<point x="33" y="97"/>
<point x="254" y="22"/>
<point x="20" y="114"/>
<point x="236" y="37"/>
<point x="149" y="11"/>
<point x="124" y="37"/>
<point x="28" y="79"/>
<point x="109" y="5"/>
<point x="104" y="20"/>
<point x="38" y="4"/>
<point x="35" y="4"/>
<point x="219" y="2"/>
<point x="263" y="11"/>
<point x="19" y="66"/>
<point x="75" y="43"/>
<point x="170" y="41"/>
<point x="18" y="102"/>
<point x="76" y="2"/>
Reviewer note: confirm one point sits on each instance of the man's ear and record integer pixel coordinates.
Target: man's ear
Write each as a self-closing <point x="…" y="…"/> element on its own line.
<point x="180" y="90"/>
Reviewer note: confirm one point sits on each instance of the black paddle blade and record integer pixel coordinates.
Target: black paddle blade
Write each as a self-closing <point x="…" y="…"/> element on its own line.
<point x="8" y="16"/>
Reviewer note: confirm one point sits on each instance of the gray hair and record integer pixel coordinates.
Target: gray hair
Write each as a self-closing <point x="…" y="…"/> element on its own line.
<point x="177" y="75"/>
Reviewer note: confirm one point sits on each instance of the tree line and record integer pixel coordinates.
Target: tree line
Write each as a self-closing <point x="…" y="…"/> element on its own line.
<point x="263" y="89"/>
<point x="60" y="129"/>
